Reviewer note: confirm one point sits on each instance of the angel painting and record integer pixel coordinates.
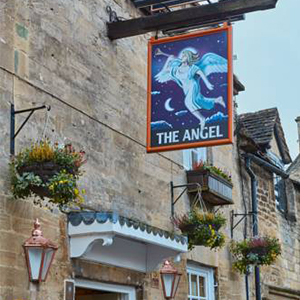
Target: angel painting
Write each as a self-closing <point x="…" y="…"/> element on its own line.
<point x="187" y="70"/>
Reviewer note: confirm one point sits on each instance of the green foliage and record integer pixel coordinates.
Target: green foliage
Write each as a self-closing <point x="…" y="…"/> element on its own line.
<point x="61" y="188"/>
<point x="21" y="183"/>
<point x="202" y="228"/>
<point x="215" y="170"/>
<point x="255" y="251"/>
<point x="43" y="151"/>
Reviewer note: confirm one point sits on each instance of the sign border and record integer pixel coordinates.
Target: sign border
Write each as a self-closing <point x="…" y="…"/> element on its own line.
<point x="229" y="140"/>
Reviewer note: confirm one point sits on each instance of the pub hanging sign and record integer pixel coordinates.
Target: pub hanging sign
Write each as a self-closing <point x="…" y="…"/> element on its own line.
<point x="190" y="90"/>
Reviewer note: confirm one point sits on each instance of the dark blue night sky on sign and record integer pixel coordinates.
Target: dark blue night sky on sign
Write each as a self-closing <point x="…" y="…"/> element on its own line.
<point x="168" y="107"/>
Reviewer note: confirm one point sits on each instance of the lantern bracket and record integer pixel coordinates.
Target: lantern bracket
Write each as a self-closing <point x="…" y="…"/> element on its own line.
<point x="185" y="186"/>
<point x="14" y="112"/>
<point x="242" y="217"/>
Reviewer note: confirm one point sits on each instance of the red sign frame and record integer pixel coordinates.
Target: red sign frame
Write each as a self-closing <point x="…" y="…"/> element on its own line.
<point x="229" y="139"/>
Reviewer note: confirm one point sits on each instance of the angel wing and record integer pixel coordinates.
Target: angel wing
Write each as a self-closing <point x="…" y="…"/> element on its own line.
<point x="166" y="72"/>
<point x="212" y="63"/>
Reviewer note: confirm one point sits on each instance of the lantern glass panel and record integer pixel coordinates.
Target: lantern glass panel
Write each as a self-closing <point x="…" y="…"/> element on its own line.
<point x="168" y="282"/>
<point x="47" y="260"/>
<point x="176" y="283"/>
<point x="35" y="260"/>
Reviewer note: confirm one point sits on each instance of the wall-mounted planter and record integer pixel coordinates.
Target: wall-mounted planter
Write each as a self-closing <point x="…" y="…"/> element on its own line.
<point x="45" y="171"/>
<point x="256" y="251"/>
<point x="215" y="189"/>
<point x="51" y="171"/>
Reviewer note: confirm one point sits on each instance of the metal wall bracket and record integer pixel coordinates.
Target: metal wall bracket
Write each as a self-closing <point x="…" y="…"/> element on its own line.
<point x="185" y="186"/>
<point x="14" y="112"/>
<point x="113" y="17"/>
<point x="233" y="215"/>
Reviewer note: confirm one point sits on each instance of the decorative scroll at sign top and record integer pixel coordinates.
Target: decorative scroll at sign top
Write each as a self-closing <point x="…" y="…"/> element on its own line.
<point x="190" y="90"/>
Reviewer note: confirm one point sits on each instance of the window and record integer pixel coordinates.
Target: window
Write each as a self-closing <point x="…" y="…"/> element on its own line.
<point x="279" y="191"/>
<point x="201" y="283"/>
<point x="192" y="156"/>
<point x="279" y="184"/>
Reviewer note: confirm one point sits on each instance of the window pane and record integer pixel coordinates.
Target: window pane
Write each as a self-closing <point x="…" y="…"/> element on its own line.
<point x="194" y="285"/>
<point x="279" y="192"/>
<point x="202" y="286"/>
<point x="198" y="154"/>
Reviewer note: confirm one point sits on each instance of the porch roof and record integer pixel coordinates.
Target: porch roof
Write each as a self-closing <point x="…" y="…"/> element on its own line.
<point x="107" y="237"/>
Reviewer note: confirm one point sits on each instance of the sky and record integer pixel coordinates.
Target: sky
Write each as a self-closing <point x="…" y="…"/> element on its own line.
<point x="267" y="46"/>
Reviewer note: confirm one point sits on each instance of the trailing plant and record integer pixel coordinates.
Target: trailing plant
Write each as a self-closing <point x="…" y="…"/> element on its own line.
<point x="201" y="165"/>
<point x="254" y="251"/>
<point x="51" y="171"/>
<point x="202" y="228"/>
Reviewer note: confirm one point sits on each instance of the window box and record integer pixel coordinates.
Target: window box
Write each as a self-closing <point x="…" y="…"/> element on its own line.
<point x="215" y="189"/>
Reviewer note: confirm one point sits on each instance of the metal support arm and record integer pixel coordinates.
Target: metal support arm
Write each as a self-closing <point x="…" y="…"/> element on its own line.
<point x="185" y="186"/>
<point x="233" y="215"/>
<point x="14" y="112"/>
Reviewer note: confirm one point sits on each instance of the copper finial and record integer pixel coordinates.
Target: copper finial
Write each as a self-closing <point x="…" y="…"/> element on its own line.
<point x="37" y="228"/>
<point x="168" y="268"/>
<point x="37" y="239"/>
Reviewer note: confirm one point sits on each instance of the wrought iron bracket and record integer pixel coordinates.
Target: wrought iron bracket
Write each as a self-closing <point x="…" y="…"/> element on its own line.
<point x="113" y="17"/>
<point x="185" y="187"/>
<point x="233" y="215"/>
<point x="13" y="113"/>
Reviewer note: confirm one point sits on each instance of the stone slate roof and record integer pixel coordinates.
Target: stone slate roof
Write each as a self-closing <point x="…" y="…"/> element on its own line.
<point x="261" y="126"/>
<point x="294" y="170"/>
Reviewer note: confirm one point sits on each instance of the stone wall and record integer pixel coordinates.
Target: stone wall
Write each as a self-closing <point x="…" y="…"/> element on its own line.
<point x="57" y="54"/>
<point x="284" y="274"/>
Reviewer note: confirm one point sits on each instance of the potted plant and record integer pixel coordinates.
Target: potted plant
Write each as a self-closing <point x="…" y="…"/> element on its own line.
<point x="51" y="171"/>
<point x="216" y="184"/>
<point x="254" y="251"/>
<point x="202" y="228"/>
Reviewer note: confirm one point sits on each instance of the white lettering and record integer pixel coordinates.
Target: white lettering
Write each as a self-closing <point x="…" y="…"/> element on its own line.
<point x="186" y="135"/>
<point x="195" y="134"/>
<point x="204" y="134"/>
<point x="168" y="137"/>
<point x="212" y="133"/>
<point x="160" y="137"/>
<point x="218" y="132"/>
<point x="175" y="136"/>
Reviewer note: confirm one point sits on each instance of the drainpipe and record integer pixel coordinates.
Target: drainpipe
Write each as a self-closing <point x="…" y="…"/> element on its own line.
<point x="247" y="286"/>
<point x="255" y="221"/>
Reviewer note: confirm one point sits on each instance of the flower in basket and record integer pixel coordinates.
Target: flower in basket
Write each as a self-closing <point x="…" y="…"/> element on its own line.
<point x="202" y="165"/>
<point x="202" y="228"/>
<point x="45" y="170"/>
<point x="254" y="251"/>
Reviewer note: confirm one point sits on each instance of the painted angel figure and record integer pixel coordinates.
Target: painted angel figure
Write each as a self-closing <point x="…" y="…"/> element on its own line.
<point x="186" y="70"/>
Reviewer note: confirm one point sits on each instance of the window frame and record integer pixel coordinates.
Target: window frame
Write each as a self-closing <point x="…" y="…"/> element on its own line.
<point x="188" y="156"/>
<point x="127" y="292"/>
<point x="279" y="186"/>
<point x="208" y="274"/>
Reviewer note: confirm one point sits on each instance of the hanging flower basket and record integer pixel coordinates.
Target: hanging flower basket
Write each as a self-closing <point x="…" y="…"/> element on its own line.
<point x="255" y="251"/>
<point x="48" y="171"/>
<point x="202" y="228"/>
<point x="216" y="184"/>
